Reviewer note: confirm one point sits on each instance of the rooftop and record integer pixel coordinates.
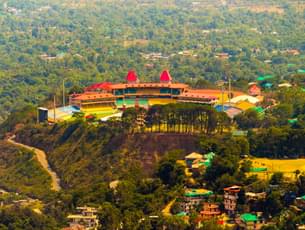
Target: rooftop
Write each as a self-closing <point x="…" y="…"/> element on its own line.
<point x="165" y="76"/>
<point x="194" y="155"/>
<point x="234" y="188"/>
<point x="197" y="192"/>
<point x="90" y="96"/>
<point x="197" y="95"/>
<point x="244" y="97"/>
<point x="264" y="77"/>
<point x="248" y="217"/>
<point x="150" y="85"/>
<point x="244" y="105"/>
<point x="79" y="216"/>
<point x="131" y="76"/>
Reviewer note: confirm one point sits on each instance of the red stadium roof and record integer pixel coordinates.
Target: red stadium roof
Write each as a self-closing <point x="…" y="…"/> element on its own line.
<point x="198" y="95"/>
<point x="90" y="96"/>
<point x="102" y="85"/>
<point x="131" y="76"/>
<point x="150" y="85"/>
<point x="165" y="76"/>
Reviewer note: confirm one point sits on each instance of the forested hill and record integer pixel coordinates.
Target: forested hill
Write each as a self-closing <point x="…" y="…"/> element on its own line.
<point x="102" y="154"/>
<point x="44" y="42"/>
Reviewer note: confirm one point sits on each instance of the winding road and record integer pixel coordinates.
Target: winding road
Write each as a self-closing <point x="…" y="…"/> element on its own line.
<point x="42" y="159"/>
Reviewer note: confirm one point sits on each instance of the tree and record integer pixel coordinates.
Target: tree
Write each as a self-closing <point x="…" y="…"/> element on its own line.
<point x="273" y="204"/>
<point x="170" y="172"/>
<point x="247" y="120"/>
<point x="109" y="217"/>
<point x="277" y="178"/>
<point x="283" y="112"/>
<point x="173" y="223"/>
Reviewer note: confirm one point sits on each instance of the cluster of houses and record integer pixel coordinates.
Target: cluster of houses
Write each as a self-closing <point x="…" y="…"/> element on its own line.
<point x="224" y="213"/>
<point x="206" y="204"/>
<point x="85" y="219"/>
<point x="154" y="56"/>
<point x="224" y="209"/>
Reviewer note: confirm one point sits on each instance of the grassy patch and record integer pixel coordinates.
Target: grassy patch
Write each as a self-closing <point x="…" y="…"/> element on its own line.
<point x="286" y="166"/>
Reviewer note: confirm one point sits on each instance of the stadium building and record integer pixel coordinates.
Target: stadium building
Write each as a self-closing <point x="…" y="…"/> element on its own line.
<point x="105" y="100"/>
<point x="145" y="94"/>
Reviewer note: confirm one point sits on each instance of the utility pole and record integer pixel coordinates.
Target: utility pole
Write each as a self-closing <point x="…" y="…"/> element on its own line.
<point x="63" y="93"/>
<point x="54" y="107"/>
<point x="229" y="77"/>
<point x="221" y="83"/>
<point x="222" y="98"/>
<point x="37" y="114"/>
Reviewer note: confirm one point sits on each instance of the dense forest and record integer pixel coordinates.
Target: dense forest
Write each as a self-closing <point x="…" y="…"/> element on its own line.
<point x="43" y="42"/>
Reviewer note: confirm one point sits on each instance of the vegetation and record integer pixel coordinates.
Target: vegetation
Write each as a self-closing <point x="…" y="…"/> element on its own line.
<point x="43" y="42"/>
<point x="129" y="168"/>
<point x="20" y="172"/>
<point x="23" y="218"/>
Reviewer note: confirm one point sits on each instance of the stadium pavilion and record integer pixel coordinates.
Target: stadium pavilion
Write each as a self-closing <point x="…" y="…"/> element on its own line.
<point x="144" y="94"/>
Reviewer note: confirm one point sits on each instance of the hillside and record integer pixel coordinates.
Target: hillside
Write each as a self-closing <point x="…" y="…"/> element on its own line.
<point x="20" y="172"/>
<point x="84" y="155"/>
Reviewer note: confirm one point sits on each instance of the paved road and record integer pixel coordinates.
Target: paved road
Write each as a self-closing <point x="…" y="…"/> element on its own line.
<point x="42" y="159"/>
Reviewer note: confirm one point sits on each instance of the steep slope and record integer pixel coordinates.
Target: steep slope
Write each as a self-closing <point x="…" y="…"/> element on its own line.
<point x="20" y="172"/>
<point x="41" y="158"/>
<point x="84" y="155"/>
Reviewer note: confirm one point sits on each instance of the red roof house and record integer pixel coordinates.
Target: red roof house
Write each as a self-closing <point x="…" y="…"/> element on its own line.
<point x="165" y="76"/>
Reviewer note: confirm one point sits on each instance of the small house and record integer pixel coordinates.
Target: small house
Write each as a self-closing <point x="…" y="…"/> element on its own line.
<point x="193" y="197"/>
<point x="86" y="217"/>
<point x="210" y="211"/>
<point x="300" y="202"/>
<point x="191" y="158"/>
<point x="230" y="199"/>
<point x="248" y="221"/>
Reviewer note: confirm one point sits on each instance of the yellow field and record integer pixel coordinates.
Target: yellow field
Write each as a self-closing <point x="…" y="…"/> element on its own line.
<point x="288" y="167"/>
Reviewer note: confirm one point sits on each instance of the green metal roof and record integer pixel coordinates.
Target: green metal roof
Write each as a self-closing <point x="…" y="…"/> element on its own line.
<point x="258" y="169"/>
<point x="198" y="192"/>
<point x="248" y="217"/>
<point x="268" y="85"/>
<point x="264" y="77"/>
<point x="260" y="78"/>
<point x="181" y="214"/>
<point x="258" y="109"/>
<point x="301" y="71"/>
<point x="292" y="121"/>
<point x="291" y="65"/>
<point x="210" y="155"/>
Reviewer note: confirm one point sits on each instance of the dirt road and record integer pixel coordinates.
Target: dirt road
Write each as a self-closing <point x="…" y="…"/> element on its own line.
<point x="42" y="159"/>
